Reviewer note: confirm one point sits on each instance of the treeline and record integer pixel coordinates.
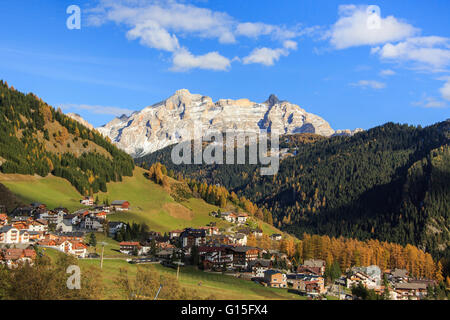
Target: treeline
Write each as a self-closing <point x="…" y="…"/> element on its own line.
<point x="133" y="232"/>
<point x="213" y="194"/>
<point x="25" y="123"/>
<point x="354" y="253"/>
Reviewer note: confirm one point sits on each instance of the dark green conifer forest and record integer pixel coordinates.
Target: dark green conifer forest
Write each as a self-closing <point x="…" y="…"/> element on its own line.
<point x="25" y="121"/>
<point x="390" y="183"/>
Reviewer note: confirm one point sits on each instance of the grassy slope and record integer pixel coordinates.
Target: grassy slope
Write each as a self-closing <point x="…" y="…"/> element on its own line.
<point x="150" y="203"/>
<point x="51" y="190"/>
<point x="221" y="286"/>
<point x="111" y="246"/>
<point x="206" y="284"/>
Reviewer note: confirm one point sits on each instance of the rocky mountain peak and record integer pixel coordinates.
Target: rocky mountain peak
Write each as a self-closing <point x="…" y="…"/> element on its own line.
<point x="167" y="122"/>
<point x="273" y="100"/>
<point x="182" y="92"/>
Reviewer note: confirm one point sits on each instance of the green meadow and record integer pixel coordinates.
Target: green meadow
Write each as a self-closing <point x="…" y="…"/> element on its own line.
<point x="50" y="190"/>
<point x="219" y="286"/>
<point x="150" y="203"/>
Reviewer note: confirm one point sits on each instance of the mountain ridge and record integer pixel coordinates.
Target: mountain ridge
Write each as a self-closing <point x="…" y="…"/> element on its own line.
<point x="168" y="122"/>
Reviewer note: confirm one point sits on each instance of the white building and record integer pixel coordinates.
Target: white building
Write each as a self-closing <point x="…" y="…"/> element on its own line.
<point x="87" y="201"/>
<point x="241" y="239"/>
<point x="9" y="234"/>
<point x="64" y="226"/>
<point x="242" y="218"/>
<point x="39" y="225"/>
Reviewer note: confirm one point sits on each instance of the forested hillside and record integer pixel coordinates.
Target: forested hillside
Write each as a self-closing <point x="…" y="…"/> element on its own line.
<point x="390" y="183"/>
<point x="37" y="139"/>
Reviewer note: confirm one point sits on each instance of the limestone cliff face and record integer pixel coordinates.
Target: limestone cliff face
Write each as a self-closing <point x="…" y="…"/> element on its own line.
<point x="167" y="122"/>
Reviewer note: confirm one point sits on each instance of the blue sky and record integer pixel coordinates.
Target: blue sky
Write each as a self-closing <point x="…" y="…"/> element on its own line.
<point x="321" y="55"/>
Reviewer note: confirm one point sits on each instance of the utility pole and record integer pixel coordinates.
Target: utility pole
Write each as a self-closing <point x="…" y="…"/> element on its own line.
<point x="178" y="268"/>
<point x="101" y="260"/>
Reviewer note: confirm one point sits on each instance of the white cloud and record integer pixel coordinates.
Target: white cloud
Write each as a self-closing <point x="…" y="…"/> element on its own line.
<point x="369" y="84"/>
<point x="152" y="35"/>
<point x="106" y="110"/>
<point x="163" y="24"/>
<point x="268" y="56"/>
<point x="265" y="56"/>
<point x="387" y="72"/>
<point x="290" y="45"/>
<point x="257" y="29"/>
<point x="430" y="103"/>
<point x="431" y="53"/>
<point x="254" y="30"/>
<point x="171" y="16"/>
<point x="352" y="29"/>
<point x="445" y="90"/>
<point x="184" y="60"/>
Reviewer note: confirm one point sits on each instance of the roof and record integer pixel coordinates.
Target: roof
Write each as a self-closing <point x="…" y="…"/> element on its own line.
<point x="314" y="263"/>
<point x="411" y="286"/>
<point x="314" y="270"/>
<point x="118" y="202"/>
<point x="206" y="249"/>
<point x="6" y="229"/>
<point x="243" y="249"/>
<point x="308" y="277"/>
<point x="14" y="254"/>
<point x="400" y="273"/>
<point x="15" y="245"/>
<point x="78" y="245"/>
<point x="165" y="252"/>
<point x="275" y="235"/>
<point x="77" y="234"/>
<point x="125" y="243"/>
<point x="227" y="214"/>
<point x="272" y="272"/>
<point x="193" y="232"/>
<point x="263" y="262"/>
<point x="67" y="223"/>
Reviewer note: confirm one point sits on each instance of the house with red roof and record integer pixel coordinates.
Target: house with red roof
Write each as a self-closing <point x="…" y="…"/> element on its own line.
<point x="13" y="257"/>
<point x="128" y="247"/>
